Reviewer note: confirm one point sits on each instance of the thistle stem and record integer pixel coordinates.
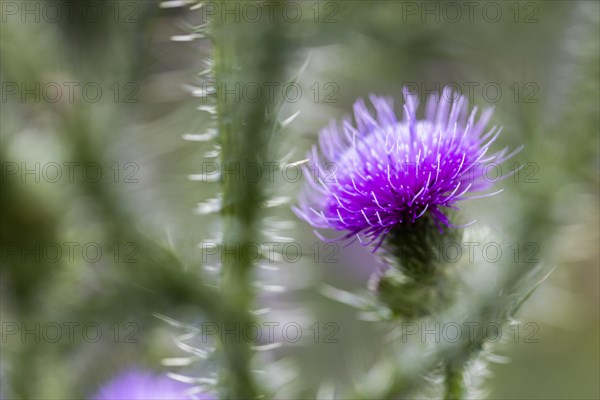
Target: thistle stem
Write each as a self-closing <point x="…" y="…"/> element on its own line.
<point x="454" y="385"/>
<point x="418" y="281"/>
<point x="240" y="200"/>
<point x="244" y="53"/>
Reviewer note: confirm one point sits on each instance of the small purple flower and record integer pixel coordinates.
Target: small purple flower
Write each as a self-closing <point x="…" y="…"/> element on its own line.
<point x="141" y="385"/>
<point x="381" y="172"/>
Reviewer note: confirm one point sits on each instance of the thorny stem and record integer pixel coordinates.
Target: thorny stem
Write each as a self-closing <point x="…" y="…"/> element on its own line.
<point x="455" y="388"/>
<point x="418" y="282"/>
<point x="243" y="53"/>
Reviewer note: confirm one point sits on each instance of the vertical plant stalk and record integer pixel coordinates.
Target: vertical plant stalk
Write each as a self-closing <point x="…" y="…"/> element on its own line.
<point x="419" y="283"/>
<point x="243" y="53"/>
<point x="455" y="389"/>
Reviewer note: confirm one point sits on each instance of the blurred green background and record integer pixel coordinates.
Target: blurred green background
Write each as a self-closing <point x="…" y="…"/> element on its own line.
<point x="537" y="63"/>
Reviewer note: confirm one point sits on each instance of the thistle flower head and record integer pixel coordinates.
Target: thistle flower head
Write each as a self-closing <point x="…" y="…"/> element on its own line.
<point x="380" y="172"/>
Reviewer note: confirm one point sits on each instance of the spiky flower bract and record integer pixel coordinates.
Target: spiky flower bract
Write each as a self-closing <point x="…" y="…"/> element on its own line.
<point x="381" y="172"/>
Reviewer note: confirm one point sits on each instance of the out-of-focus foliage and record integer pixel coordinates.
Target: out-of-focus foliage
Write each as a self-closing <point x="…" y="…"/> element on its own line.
<point x="544" y="57"/>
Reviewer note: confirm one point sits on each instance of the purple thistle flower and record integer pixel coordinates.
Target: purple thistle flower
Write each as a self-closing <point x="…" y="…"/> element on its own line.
<point x="140" y="385"/>
<point x="388" y="172"/>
